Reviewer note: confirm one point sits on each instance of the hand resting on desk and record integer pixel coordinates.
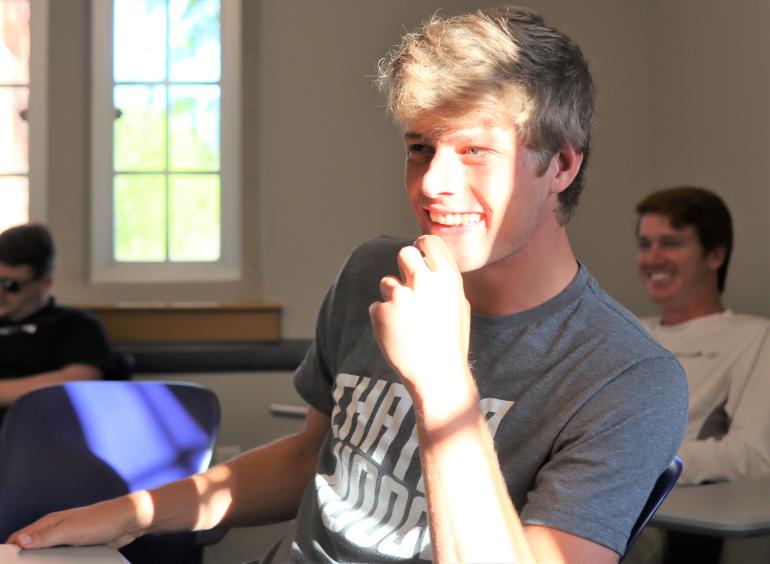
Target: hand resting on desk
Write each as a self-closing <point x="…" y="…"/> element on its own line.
<point x="112" y="522"/>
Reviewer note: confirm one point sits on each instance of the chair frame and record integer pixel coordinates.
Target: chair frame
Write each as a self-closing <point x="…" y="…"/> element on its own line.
<point x="660" y="491"/>
<point x="50" y="458"/>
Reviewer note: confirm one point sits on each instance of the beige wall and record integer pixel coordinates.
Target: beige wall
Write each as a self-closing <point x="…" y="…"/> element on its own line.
<point x="684" y="94"/>
<point x="712" y="122"/>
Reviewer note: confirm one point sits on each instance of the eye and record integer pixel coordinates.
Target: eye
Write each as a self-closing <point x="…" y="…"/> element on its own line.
<point x="643" y="243"/>
<point x="474" y="151"/>
<point x="419" y="152"/>
<point x="419" y="148"/>
<point x="671" y="243"/>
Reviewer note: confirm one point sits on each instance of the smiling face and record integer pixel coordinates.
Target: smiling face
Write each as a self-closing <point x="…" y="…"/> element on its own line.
<point x="479" y="190"/>
<point x="674" y="268"/>
<point x="30" y="297"/>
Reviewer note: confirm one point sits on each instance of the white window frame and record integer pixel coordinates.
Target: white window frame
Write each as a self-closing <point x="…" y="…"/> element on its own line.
<point x="37" y="116"/>
<point x="104" y="268"/>
<point x="37" y="112"/>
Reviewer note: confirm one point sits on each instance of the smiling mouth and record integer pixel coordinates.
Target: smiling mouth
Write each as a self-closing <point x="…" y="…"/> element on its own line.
<point x="454" y="219"/>
<point x="659" y="276"/>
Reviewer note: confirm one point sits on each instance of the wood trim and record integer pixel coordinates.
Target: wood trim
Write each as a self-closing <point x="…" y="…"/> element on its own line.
<point x="189" y="322"/>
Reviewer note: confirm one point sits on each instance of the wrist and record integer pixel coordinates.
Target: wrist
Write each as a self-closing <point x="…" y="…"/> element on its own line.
<point x="138" y="511"/>
<point x="450" y="397"/>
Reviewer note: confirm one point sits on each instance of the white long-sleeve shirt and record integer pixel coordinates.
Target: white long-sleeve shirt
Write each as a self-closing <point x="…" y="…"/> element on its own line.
<point x="726" y="358"/>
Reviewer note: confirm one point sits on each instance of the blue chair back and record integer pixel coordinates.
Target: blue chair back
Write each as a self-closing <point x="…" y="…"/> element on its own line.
<point x="77" y="443"/>
<point x="660" y="491"/>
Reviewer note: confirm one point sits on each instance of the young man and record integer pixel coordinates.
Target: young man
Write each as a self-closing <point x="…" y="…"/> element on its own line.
<point x="474" y="395"/>
<point x="685" y="240"/>
<point x="40" y="342"/>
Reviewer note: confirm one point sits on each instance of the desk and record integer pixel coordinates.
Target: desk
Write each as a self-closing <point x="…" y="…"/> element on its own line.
<point x="729" y="509"/>
<point x="12" y="554"/>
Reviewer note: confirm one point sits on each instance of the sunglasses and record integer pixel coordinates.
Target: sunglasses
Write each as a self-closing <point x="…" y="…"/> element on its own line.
<point x="13" y="286"/>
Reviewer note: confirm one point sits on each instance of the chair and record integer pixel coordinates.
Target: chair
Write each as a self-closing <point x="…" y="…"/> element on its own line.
<point x="660" y="491"/>
<point x="81" y="442"/>
<point x="122" y="366"/>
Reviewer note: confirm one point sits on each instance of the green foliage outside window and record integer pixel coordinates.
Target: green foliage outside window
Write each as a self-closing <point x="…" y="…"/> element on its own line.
<point x="166" y="139"/>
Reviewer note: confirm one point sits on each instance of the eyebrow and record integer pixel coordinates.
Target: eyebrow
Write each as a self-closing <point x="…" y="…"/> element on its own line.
<point x="413" y="136"/>
<point x="452" y="138"/>
<point x="662" y="237"/>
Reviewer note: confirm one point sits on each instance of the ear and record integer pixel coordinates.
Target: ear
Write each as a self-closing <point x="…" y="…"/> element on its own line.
<point x="47" y="281"/>
<point x="716" y="258"/>
<point x="564" y="167"/>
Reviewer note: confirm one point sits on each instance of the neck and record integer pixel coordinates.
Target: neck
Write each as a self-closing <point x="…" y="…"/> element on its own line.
<point x="33" y="306"/>
<point x="523" y="280"/>
<point x="679" y="313"/>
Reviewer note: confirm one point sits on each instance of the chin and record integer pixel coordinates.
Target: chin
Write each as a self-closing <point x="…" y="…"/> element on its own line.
<point x="467" y="263"/>
<point x="660" y="297"/>
<point x="467" y="257"/>
<point x="663" y="301"/>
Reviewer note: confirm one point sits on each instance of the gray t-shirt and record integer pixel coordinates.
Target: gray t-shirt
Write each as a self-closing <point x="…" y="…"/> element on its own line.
<point x="585" y="409"/>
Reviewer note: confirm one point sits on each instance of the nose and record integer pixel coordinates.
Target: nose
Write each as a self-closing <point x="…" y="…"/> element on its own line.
<point x="444" y="176"/>
<point x="651" y="255"/>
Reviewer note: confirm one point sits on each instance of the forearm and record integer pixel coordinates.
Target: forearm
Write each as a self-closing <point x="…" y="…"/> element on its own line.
<point x="12" y="389"/>
<point x="733" y="457"/>
<point x="284" y="467"/>
<point x="261" y="486"/>
<point x="470" y="513"/>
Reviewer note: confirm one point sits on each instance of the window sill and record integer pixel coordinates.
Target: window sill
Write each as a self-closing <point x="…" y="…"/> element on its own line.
<point x="160" y="272"/>
<point x="161" y="322"/>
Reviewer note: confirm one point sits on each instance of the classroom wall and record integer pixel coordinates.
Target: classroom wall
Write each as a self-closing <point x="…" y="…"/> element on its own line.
<point x="712" y="122"/>
<point x="684" y="89"/>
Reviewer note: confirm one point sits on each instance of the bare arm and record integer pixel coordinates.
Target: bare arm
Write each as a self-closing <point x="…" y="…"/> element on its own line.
<point x="423" y="326"/>
<point x="12" y="389"/>
<point x="259" y="486"/>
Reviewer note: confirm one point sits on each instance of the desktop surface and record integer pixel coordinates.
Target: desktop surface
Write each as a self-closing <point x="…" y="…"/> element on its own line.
<point x="729" y="509"/>
<point x="12" y="554"/>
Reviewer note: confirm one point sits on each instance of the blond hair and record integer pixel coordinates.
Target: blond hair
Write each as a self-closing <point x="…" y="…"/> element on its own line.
<point x="501" y="64"/>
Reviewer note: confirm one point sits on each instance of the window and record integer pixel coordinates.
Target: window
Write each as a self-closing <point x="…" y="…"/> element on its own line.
<point x="165" y="138"/>
<point x="23" y="37"/>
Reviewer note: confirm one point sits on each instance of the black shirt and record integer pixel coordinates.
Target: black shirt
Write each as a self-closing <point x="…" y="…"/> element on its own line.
<point x="50" y="339"/>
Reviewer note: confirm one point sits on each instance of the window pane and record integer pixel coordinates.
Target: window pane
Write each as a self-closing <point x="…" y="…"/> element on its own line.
<point x="167" y="138"/>
<point x="194" y="217"/>
<point x="14" y="41"/>
<point x="194" y="40"/>
<point x="14" y="197"/>
<point x="194" y="127"/>
<point x="139" y="40"/>
<point x="14" y="131"/>
<point x="140" y="217"/>
<point x="140" y="131"/>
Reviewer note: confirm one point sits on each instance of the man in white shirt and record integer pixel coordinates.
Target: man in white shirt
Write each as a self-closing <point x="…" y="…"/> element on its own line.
<point x="685" y="240"/>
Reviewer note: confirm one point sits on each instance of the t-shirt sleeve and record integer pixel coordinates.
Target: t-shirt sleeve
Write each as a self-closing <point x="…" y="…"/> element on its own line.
<point x="83" y="341"/>
<point x="610" y="453"/>
<point x="344" y="313"/>
<point x="313" y="378"/>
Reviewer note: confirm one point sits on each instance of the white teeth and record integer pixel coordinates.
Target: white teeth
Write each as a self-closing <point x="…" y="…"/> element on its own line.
<point x="656" y="276"/>
<point x="455" y="218"/>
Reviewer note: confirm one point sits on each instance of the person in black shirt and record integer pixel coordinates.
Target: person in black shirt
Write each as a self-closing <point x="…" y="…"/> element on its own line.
<point x="41" y="342"/>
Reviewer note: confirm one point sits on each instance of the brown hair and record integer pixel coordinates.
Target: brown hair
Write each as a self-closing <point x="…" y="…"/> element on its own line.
<point x="28" y="244"/>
